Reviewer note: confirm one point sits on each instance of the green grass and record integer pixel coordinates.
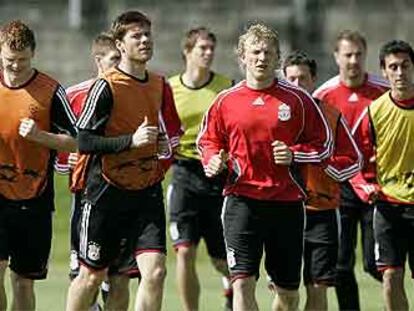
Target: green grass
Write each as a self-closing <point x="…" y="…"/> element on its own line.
<point x="51" y="293"/>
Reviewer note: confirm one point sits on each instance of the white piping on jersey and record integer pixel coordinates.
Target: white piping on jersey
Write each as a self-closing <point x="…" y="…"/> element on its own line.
<point x="359" y="120"/>
<point x="66" y="106"/>
<point x="342" y="175"/>
<point x="335" y="81"/>
<point x="90" y="105"/>
<point x="329" y="84"/>
<point x="80" y="86"/>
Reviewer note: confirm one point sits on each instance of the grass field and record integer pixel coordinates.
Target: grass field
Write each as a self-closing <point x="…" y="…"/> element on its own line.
<point x="51" y="293"/>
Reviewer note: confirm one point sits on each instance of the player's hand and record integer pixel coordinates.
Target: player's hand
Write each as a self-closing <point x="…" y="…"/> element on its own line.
<point x="144" y="135"/>
<point x="163" y="145"/>
<point x="371" y="191"/>
<point x="28" y="129"/>
<point x="72" y="160"/>
<point x="282" y="155"/>
<point x="216" y="164"/>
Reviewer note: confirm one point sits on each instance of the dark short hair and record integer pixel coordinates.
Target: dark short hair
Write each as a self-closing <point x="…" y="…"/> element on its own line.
<point x="193" y="34"/>
<point x="300" y="58"/>
<point x="17" y="36"/>
<point x="350" y="35"/>
<point x="122" y="23"/>
<point x="394" y="47"/>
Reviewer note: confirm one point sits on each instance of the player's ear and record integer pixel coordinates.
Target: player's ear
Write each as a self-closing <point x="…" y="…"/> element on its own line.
<point x="119" y="45"/>
<point x="97" y="60"/>
<point x="336" y="56"/>
<point x="384" y="73"/>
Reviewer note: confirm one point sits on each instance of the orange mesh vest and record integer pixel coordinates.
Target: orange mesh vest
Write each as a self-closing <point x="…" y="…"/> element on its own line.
<point x="23" y="164"/>
<point x="139" y="168"/>
<point x="78" y="175"/>
<point x="323" y="192"/>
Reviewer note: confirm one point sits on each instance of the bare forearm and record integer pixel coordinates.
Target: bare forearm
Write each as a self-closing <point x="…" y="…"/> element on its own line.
<point x="60" y="142"/>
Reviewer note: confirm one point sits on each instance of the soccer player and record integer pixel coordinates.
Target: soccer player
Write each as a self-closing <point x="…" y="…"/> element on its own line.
<point x="36" y="120"/>
<point x="258" y="128"/>
<point x="388" y="124"/>
<point x="120" y="136"/>
<point x="106" y="56"/>
<point x="194" y="200"/>
<point x="351" y="92"/>
<point x="321" y="229"/>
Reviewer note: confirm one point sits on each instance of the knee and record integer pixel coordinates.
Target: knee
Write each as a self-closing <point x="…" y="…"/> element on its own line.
<point x="156" y="277"/>
<point x="393" y="277"/>
<point x="289" y="298"/>
<point x="21" y="283"/>
<point x="220" y="265"/>
<point x="244" y="286"/>
<point x="186" y="254"/>
<point x="287" y="293"/>
<point x="90" y="278"/>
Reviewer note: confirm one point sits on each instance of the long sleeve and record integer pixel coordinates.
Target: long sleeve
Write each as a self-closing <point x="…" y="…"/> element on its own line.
<point x="93" y="120"/>
<point x="364" y="183"/>
<point x="315" y="141"/>
<point x="62" y="118"/>
<point x="170" y="124"/>
<point x="211" y="138"/>
<point x="169" y="121"/>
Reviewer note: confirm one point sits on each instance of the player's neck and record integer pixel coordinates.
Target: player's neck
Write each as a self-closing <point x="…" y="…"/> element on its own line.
<point x="195" y="77"/>
<point x="353" y="82"/>
<point x="259" y="84"/>
<point x="403" y="94"/>
<point x="135" y="69"/>
<point x="17" y="80"/>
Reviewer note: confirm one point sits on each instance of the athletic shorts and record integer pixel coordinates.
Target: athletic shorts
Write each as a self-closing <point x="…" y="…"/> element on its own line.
<point x="321" y="247"/>
<point x="194" y="210"/>
<point x="277" y="227"/>
<point x="136" y="216"/>
<point x="124" y="264"/>
<point x="26" y="235"/>
<point x="394" y="232"/>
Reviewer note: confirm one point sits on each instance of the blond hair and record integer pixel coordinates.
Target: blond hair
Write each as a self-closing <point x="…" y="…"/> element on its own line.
<point x="259" y="32"/>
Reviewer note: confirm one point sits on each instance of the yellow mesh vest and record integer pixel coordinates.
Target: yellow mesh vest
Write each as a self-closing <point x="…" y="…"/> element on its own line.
<point x="191" y="105"/>
<point x="394" y="136"/>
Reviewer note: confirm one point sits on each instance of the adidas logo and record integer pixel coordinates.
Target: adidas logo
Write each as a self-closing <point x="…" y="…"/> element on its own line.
<point x="258" y="102"/>
<point x="353" y="98"/>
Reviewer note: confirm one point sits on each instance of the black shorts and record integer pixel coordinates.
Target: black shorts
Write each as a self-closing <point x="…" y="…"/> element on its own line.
<point x="394" y="232"/>
<point x="349" y="198"/>
<point x="321" y="247"/>
<point x="195" y="205"/>
<point x="134" y="220"/>
<point x="277" y="227"/>
<point x="26" y="235"/>
<point x="124" y="264"/>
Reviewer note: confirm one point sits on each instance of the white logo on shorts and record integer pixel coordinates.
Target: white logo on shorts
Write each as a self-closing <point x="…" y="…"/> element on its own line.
<point x="174" y="233"/>
<point x="231" y="258"/>
<point x="74" y="263"/>
<point x="284" y="112"/>
<point x="94" y="251"/>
